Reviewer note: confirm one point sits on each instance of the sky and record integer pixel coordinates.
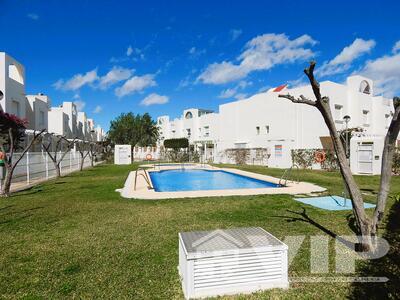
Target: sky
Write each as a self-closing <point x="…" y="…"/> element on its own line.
<point x="161" y="57"/>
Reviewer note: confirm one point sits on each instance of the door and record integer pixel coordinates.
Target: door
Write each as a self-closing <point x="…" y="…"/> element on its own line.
<point x="124" y="155"/>
<point x="365" y="158"/>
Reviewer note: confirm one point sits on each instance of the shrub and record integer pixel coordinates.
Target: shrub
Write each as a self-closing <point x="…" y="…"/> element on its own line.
<point x="176" y="143"/>
<point x="396" y="162"/>
<point x="305" y="158"/>
<point x="240" y="156"/>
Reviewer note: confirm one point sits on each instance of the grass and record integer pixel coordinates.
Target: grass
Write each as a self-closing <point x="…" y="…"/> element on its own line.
<point x="77" y="238"/>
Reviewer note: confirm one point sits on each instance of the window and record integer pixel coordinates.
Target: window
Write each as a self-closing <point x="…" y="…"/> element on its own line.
<point x="267" y="129"/>
<point x="387" y="120"/>
<point x="366" y="117"/>
<point x="240" y="145"/>
<point x="15" y="109"/>
<point x="278" y="150"/>
<point x="188" y="115"/>
<point x="338" y="113"/>
<point x="206" y="131"/>
<point x="41" y="118"/>
<point x="365" y="87"/>
<point x="258" y="130"/>
<point x="188" y="131"/>
<point x="1" y="95"/>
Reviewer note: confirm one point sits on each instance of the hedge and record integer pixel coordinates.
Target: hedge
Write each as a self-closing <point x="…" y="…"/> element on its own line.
<point x="176" y="143"/>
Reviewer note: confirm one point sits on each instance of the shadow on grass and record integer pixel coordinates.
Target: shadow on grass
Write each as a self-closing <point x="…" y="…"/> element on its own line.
<point x="304" y="217"/>
<point x="387" y="266"/>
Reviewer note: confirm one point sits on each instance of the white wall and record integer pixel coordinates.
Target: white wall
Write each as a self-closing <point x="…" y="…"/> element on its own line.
<point x="292" y="126"/>
<point x="37" y="110"/>
<point x="13" y="89"/>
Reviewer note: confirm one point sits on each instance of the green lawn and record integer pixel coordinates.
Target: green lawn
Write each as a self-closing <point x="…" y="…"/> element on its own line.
<point x="77" y="238"/>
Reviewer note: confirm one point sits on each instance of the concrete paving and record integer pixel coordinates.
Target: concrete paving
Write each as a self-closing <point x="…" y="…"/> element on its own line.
<point x="144" y="192"/>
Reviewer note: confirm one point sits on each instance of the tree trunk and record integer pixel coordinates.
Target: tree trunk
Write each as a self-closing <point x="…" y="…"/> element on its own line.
<point x="82" y="162"/>
<point x="5" y="191"/>
<point x="364" y="223"/>
<point x="58" y="170"/>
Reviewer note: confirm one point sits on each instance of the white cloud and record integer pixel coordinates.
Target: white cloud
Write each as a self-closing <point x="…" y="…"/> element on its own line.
<point x="342" y="62"/>
<point x="385" y="71"/>
<point x="129" y="51"/>
<point x="261" y="53"/>
<point x="235" y="33"/>
<point x="97" y="109"/>
<point x="33" y="16"/>
<point x="116" y="74"/>
<point x="230" y="92"/>
<point x="80" y="105"/>
<point x="135" y="84"/>
<point x="77" y="81"/>
<point x="194" y="52"/>
<point x="240" y="96"/>
<point x="396" y="47"/>
<point x="154" y="99"/>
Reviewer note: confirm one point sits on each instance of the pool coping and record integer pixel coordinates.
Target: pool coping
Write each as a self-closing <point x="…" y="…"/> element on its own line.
<point x="142" y="191"/>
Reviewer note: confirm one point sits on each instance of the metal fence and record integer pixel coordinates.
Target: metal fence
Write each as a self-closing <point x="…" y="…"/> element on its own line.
<point x="37" y="166"/>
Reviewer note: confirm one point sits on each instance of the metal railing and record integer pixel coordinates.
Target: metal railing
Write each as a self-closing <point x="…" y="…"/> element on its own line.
<point x="145" y="176"/>
<point x="288" y="175"/>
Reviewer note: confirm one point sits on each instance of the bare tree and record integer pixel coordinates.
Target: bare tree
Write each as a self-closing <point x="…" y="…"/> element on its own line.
<point x="94" y="148"/>
<point x="54" y="150"/>
<point x="12" y="143"/>
<point x="367" y="226"/>
<point x="82" y="147"/>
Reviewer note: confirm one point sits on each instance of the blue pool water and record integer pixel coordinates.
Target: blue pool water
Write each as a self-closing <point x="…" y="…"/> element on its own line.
<point x="197" y="180"/>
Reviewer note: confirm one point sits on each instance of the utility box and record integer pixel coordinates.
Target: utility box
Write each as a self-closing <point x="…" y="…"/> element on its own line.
<point x="231" y="261"/>
<point x="123" y="154"/>
<point x="366" y="154"/>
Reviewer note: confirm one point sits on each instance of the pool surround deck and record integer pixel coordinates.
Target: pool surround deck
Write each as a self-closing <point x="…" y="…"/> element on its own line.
<point x="143" y="192"/>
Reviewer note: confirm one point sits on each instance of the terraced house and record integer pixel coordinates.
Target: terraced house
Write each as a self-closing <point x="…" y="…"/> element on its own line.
<point x="37" y="110"/>
<point x="276" y="125"/>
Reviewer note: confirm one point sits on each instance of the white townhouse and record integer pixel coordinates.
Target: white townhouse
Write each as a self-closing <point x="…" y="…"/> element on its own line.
<point x="12" y="86"/>
<point x="37" y="110"/>
<point x="200" y="126"/>
<point x="278" y="125"/>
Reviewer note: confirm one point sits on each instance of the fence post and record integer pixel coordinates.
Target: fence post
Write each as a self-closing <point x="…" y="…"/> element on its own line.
<point x="47" y="165"/>
<point x="60" y="162"/>
<point x="27" y="168"/>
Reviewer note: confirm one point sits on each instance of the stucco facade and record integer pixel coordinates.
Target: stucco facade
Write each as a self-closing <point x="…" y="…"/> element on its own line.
<point x="278" y="125"/>
<point x="37" y="110"/>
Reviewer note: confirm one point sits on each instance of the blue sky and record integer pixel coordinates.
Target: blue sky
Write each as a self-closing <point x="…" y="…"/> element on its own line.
<point x="164" y="56"/>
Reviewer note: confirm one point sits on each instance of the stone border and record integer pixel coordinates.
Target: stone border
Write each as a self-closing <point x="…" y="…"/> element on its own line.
<point x="143" y="192"/>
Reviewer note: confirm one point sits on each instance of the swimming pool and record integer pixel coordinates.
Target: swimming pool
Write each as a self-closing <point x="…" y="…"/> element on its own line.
<point x="198" y="180"/>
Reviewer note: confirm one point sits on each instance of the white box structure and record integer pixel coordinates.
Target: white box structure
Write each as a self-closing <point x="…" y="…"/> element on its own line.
<point x="231" y="261"/>
<point x="123" y="154"/>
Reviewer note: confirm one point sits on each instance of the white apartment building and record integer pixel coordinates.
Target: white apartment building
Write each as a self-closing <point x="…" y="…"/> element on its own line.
<point x="37" y="110"/>
<point x="277" y="124"/>
<point x="12" y="86"/>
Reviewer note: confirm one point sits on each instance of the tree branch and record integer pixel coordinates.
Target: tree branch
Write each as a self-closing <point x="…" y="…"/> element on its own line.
<point x="314" y="83"/>
<point x="301" y="99"/>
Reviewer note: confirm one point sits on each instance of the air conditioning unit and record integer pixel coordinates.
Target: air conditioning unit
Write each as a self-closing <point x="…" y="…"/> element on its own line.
<point x="231" y="261"/>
